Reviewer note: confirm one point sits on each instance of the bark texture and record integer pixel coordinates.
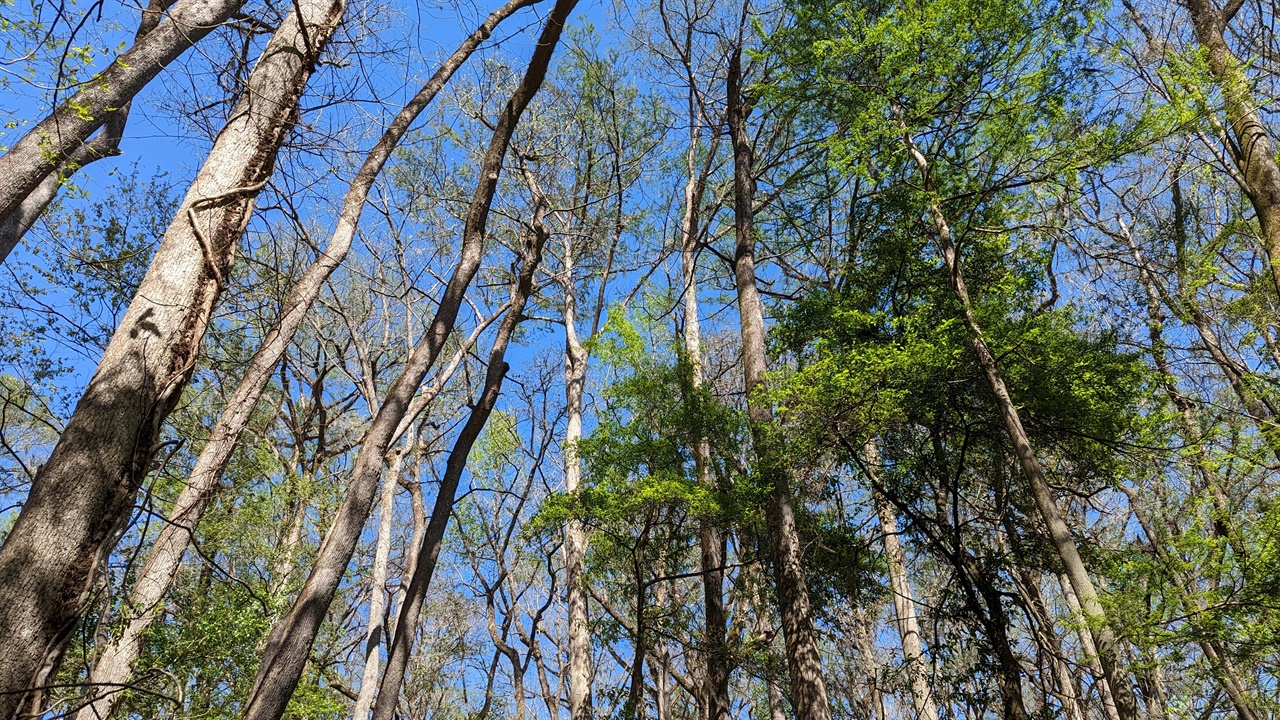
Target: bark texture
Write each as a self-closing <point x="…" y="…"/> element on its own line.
<point x="81" y="498"/>
<point x="804" y="661"/>
<point x="1253" y="151"/>
<point x="165" y="560"/>
<point x="289" y="644"/>
<point x="1094" y="617"/>
<point x="61" y="140"/>
<point x="575" y="536"/>
<point x="711" y="543"/>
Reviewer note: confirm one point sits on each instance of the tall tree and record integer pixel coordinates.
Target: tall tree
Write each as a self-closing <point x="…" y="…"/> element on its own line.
<point x="83" y="495"/>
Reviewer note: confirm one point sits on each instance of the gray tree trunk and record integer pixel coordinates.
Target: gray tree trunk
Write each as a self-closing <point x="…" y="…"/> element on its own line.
<point x="81" y="498"/>
<point x="64" y="135"/>
<point x="161" y="568"/>
<point x="429" y="552"/>
<point x="808" y="687"/>
<point x="903" y="601"/>
<point x="289" y="644"/>
<point x="575" y="536"/>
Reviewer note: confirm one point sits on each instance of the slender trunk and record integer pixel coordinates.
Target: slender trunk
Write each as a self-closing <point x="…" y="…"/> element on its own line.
<point x="290" y="642"/>
<point x="378" y="594"/>
<point x="575" y="536"/>
<point x="903" y="602"/>
<point x="287" y="549"/>
<point x="979" y="584"/>
<point x="1253" y="151"/>
<point x="429" y="552"/>
<point x="81" y="498"/>
<point x="1094" y="616"/>
<point x="711" y="544"/>
<point x="1067" y="693"/>
<point x="871" y="667"/>
<point x="808" y="688"/>
<point x="61" y="140"/>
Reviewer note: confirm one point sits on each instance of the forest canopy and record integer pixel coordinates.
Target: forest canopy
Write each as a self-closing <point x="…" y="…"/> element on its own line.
<point x="688" y="360"/>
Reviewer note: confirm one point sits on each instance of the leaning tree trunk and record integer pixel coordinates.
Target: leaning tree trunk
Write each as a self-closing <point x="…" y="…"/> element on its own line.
<point x="378" y="595"/>
<point x="429" y="551"/>
<point x="808" y="688"/>
<point x="161" y="568"/>
<point x="1095" y="617"/>
<point x="16" y="223"/>
<point x="64" y="135"/>
<point x="81" y="498"/>
<point x="903" y="602"/>
<point x="1253" y="151"/>
<point x="289" y="644"/>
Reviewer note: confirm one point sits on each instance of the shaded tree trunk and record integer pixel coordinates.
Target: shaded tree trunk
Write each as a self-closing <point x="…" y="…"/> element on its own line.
<point x="291" y="638"/>
<point x="158" y="573"/>
<point x="808" y="688"/>
<point x="81" y="498"/>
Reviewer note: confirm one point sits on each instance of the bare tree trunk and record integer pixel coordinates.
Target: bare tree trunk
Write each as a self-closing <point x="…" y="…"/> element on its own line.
<point x="808" y="688"/>
<point x="903" y="603"/>
<point x="1253" y="151"/>
<point x="711" y="544"/>
<point x="575" y="537"/>
<point x="61" y="140"/>
<point x="1060" y="534"/>
<point x="378" y="595"/>
<point x="429" y="552"/>
<point x="16" y="223"/>
<point x="290" y="642"/>
<point x="81" y="498"/>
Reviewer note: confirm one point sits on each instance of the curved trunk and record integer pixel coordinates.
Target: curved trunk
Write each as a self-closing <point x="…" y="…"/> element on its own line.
<point x="1253" y="151"/>
<point x="81" y="498"/>
<point x="61" y="140"/>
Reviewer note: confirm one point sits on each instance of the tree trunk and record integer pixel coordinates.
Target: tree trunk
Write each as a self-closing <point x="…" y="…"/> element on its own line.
<point x="711" y="544"/>
<point x="1253" y="152"/>
<point x="903" y="603"/>
<point x="1094" y="616"/>
<point x="81" y="498"/>
<point x="378" y="595"/>
<point x="575" y="536"/>
<point x="429" y="552"/>
<point x="15" y="224"/>
<point x="63" y="136"/>
<point x="808" y="688"/>
<point x="290" y="642"/>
